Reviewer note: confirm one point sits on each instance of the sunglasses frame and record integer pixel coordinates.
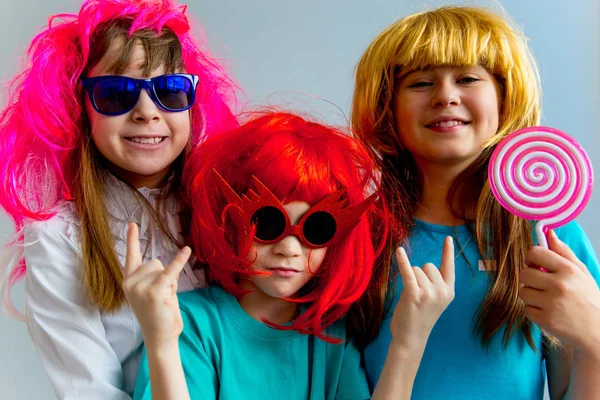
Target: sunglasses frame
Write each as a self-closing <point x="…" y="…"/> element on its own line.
<point x="148" y="84"/>
<point x="298" y="229"/>
<point x="346" y="216"/>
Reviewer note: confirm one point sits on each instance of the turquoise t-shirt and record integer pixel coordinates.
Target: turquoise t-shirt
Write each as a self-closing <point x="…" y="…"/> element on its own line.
<point x="455" y="365"/>
<point x="227" y="354"/>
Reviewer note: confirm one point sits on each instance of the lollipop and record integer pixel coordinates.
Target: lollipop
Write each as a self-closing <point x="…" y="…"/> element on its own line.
<point x="541" y="174"/>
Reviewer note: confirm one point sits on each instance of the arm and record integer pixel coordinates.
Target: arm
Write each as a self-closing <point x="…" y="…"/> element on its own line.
<point x="572" y="375"/>
<point x="427" y="292"/>
<point x="67" y="333"/>
<point x="565" y="302"/>
<point x="151" y="290"/>
<point x="200" y="375"/>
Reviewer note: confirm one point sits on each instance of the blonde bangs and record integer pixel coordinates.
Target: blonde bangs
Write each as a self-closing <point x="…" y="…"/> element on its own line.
<point x="447" y="36"/>
<point x="453" y="38"/>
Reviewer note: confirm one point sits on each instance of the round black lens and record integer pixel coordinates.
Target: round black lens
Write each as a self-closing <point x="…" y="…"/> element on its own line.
<point x="115" y="95"/>
<point x="174" y="92"/>
<point x="269" y="222"/>
<point x="319" y="228"/>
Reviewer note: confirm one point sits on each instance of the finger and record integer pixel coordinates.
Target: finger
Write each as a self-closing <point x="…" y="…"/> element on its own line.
<point x="447" y="265"/>
<point x="406" y="272"/>
<point x="433" y="274"/>
<point x="539" y="257"/>
<point x="174" y="268"/>
<point x="534" y="314"/>
<point x="422" y="279"/>
<point x="561" y="248"/>
<point x="532" y="297"/>
<point x="145" y="276"/>
<point x="133" y="259"/>
<point x="535" y="278"/>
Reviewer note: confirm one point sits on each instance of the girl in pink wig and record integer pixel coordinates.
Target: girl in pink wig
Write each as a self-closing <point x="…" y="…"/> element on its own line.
<point x="95" y="134"/>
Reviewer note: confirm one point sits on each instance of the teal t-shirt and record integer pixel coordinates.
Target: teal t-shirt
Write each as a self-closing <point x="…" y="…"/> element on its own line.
<point x="228" y="355"/>
<point x="455" y="365"/>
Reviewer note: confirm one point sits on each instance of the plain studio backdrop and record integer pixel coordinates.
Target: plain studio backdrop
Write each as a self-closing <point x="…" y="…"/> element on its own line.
<point x="304" y="53"/>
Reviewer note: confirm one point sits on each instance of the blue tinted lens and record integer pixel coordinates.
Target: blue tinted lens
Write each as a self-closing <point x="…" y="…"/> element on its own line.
<point x="115" y="95"/>
<point x="173" y="91"/>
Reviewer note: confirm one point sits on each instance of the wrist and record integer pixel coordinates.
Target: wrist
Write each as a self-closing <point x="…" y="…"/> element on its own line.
<point x="160" y="348"/>
<point x="407" y="349"/>
<point x="405" y="342"/>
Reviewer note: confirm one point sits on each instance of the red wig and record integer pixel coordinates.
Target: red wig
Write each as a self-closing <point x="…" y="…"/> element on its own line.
<point x="297" y="160"/>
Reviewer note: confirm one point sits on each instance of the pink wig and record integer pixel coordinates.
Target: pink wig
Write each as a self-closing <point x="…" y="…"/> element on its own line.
<point x="296" y="160"/>
<point x="44" y="119"/>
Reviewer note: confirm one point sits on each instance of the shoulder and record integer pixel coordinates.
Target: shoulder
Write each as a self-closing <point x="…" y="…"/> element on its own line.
<point x="337" y="329"/>
<point x="574" y="236"/>
<point x="571" y="231"/>
<point x="202" y="306"/>
<point x="65" y="222"/>
<point x="52" y="248"/>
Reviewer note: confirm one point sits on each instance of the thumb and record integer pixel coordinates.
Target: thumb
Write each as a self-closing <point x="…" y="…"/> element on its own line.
<point x="174" y="268"/>
<point x="561" y="248"/>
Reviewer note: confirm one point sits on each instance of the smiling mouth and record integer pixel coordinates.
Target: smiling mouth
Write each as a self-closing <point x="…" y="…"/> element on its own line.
<point x="447" y="124"/>
<point x="146" y="140"/>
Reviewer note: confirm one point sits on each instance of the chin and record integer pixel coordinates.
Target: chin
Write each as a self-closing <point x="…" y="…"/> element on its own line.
<point x="279" y="293"/>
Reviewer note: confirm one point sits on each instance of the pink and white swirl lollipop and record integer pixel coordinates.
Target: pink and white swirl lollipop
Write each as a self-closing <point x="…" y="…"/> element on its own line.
<point x="541" y="174"/>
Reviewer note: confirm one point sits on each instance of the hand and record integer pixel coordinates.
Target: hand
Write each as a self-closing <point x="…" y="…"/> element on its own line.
<point x="151" y="290"/>
<point x="565" y="300"/>
<point x="426" y="294"/>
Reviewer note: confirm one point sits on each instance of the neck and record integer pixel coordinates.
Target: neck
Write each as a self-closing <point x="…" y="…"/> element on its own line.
<point x="261" y="306"/>
<point x="140" y="181"/>
<point x="433" y="206"/>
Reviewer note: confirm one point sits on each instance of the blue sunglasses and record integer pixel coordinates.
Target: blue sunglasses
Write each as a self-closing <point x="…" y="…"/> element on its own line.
<point x="116" y="95"/>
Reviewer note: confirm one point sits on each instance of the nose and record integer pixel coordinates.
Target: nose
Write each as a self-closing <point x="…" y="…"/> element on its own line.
<point x="445" y="94"/>
<point x="145" y="110"/>
<point x="289" y="246"/>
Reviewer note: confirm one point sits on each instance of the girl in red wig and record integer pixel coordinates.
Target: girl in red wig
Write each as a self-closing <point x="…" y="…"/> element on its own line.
<point x="95" y="133"/>
<point x="284" y="215"/>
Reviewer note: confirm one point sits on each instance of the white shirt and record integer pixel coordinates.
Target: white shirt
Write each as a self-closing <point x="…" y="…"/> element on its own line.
<point x="86" y="353"/>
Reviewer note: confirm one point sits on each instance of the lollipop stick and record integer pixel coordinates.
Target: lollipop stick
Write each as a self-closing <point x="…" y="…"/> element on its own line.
<point x="541" y="235"/>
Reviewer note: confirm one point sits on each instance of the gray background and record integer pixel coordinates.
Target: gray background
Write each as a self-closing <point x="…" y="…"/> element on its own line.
<point x="304" y="52"/>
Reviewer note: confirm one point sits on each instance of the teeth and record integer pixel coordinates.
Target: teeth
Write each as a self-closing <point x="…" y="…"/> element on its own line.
<point x="447" y="124"/>
<point x="146" y="140"/>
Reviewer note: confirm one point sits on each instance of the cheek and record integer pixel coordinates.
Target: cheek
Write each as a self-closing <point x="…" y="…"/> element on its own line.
<point x="489" y="105"/>
<point x="315" y="258"/>
<point x="406" y="115"/>
<point x="100" y="130"/>
<point x="256" y="255"/>
<point x="181" y="124"/>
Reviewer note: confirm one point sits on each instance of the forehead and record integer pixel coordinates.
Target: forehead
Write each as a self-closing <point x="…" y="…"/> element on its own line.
<point x="114" y="56"/>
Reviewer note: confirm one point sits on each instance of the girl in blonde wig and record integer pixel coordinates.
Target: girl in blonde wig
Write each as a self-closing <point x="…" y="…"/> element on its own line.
<point x="435" y="92"/>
